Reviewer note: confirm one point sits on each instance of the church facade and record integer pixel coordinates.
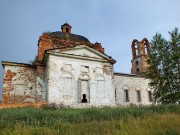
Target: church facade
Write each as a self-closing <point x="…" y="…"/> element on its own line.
<point x="70" y="70"/>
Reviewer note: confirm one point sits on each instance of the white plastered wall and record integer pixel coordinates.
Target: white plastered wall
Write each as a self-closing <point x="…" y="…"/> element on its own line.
<point x="132" y="84"/>
<point x="78" y="70"/>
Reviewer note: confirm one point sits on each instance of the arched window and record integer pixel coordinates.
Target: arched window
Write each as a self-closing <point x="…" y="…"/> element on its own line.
<point x="67" y="29"/>
<point x="126" y="93"/>
<point x="84" y="92"/>
<point x="137" y="70"/>
<point x="136" y="48"/>
<point x="138" y="93"/>
<point x="146" y="49"/>
<point x="150" y="94"/>
<point x="146" y="46"/>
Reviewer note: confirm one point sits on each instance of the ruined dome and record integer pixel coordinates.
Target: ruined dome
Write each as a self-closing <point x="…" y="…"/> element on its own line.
<point x="68" y="36"/>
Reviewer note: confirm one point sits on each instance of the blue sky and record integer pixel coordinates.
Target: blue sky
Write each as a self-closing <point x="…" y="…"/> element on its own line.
<point x="113" y="23"/>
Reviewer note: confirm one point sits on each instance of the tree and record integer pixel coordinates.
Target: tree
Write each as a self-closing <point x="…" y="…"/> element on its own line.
<point x="164" y="68"/>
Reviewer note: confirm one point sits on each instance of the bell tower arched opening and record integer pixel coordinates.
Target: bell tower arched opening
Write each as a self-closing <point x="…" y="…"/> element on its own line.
<point x="140" y="53"/>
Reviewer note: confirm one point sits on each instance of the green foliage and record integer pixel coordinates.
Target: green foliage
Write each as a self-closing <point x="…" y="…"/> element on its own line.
<point x="164" y="69"/>
<point x="150" y="120"/>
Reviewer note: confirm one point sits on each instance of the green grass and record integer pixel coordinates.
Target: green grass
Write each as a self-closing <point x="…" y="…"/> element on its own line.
<point x="152" y="120"/>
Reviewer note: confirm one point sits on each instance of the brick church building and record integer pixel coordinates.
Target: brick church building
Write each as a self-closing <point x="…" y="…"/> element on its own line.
<point x="70" y="70"/>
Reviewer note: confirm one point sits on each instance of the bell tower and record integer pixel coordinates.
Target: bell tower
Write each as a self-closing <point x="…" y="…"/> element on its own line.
<point x="140" y="53"/>
<point x="66" y="28"/>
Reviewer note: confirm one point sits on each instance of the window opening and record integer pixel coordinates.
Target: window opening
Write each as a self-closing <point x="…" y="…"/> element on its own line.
<point x="150" y="95"/>
<point x="67" y="29"/>
<point x="138" y="96"/>
<point x="137" y="62"/>
<point x="126" y="93"/>
<point x="146" y="51"/>
<point x="84" y="100"/>
<point x="137" y="70"/>
<point x="84" y="91"/>
<point x="136" y="48"/>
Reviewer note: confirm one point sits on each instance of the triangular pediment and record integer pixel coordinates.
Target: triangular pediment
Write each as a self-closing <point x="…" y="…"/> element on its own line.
<point x="85" y="52"/>
<point x="81" y="51"/>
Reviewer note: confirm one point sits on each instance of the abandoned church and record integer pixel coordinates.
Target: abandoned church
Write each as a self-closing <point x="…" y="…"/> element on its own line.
<point x="70" y="70"/>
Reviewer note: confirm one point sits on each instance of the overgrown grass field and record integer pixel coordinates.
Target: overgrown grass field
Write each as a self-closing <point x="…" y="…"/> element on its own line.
<point x="152" y="120"/>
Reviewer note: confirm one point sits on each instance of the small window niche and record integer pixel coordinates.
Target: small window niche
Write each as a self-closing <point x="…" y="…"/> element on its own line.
<point x="67" y="67"/>
<point x="137" y="62"/>
<point x="84" y="69"/>
<point x="137" y="70"/>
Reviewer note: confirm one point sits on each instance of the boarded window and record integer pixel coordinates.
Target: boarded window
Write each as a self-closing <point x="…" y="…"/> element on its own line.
<point x="126" y="95"/>
<point x="19" y="93"/>
<point x="84" y="90"/>
<point x="67" y="86"/>
<point x="100" y="88"/>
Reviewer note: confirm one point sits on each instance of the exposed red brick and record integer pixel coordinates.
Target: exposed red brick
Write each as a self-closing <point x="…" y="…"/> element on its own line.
<point x="140" y="54"/>
<point x="47" y="42"/>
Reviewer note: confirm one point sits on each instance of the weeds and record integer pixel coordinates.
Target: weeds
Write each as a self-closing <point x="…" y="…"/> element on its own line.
<point x="54" y="119"/>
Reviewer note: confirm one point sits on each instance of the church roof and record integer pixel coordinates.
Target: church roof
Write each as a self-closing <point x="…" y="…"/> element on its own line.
<point x="84" y="54"/>
<point x="68" y="36"/>
<point x="66" y="24"/>
<point x="127" y="74"/>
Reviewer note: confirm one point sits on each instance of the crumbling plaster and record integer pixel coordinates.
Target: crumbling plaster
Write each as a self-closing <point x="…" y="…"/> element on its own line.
<point x="78" y="70"/>
<point x="132" y="83"/>
<point x="19" y="84"/>
<point x="23" y="83"/>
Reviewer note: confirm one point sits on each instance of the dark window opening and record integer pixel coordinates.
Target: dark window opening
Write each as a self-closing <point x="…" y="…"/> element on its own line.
<point x="115" y="96"/>
<point x="138" y="96"/>
<point x="84" y="100"/>
<point x="150" y="96"/>
<point x="67" y="29"/>
<point x="137" y="62"/>
<point x="126" y="93"/>
<point x="137" y="70"/>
